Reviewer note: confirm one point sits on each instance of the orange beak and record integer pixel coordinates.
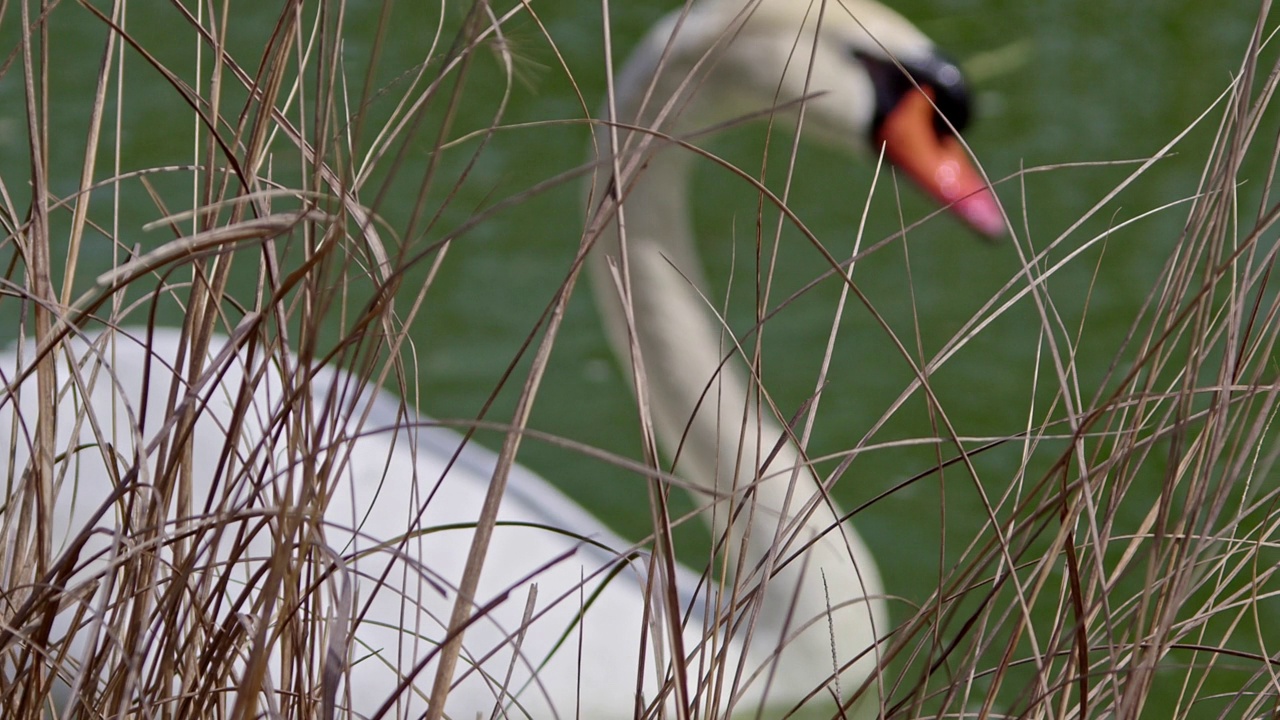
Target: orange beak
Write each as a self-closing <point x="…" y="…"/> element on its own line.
<point x="939" y="164"/>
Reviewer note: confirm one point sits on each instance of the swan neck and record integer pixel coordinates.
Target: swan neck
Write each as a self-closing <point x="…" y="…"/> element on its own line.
<point x="711" y="422"/>
<point x="715" y="429"/>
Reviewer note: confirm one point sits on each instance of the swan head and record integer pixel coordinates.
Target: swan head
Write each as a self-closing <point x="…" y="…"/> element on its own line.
<point x="869" y="79"/>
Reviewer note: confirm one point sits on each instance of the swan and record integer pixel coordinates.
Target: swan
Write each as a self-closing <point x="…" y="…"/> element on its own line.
<point x="375" y="506"/>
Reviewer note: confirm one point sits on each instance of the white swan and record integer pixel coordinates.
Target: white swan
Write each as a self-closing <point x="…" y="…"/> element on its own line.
<point x="360" y="497"/>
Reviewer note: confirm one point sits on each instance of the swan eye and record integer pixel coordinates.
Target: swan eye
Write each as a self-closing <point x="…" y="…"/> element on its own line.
<point x="934" y="71"/>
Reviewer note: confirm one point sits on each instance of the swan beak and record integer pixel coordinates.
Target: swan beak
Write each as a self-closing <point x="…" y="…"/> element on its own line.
<point x="939" y="164"/>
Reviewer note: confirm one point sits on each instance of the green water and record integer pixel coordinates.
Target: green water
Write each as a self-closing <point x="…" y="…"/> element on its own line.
<point x="1056" y="82"/>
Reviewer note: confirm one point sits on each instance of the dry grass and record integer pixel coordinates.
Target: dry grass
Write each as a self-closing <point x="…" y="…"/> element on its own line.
<point x="1132" y="557"/>
<point x="1088" y="593"/>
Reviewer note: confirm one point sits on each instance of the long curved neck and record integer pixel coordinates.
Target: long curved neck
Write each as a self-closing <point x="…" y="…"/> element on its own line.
<point x="650" y="291"/>
<point x="649" y="287"/>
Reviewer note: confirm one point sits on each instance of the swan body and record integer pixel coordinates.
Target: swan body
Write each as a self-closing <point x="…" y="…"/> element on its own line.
<point x="382" y="466"/>
<point x="367" y="500"/>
